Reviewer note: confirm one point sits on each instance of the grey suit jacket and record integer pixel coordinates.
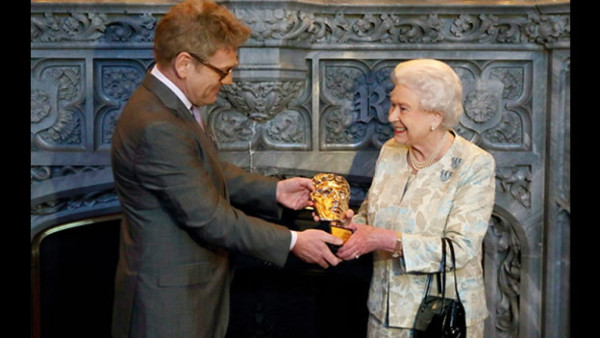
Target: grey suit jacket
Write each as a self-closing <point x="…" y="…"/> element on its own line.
<point x="182" y="215"/>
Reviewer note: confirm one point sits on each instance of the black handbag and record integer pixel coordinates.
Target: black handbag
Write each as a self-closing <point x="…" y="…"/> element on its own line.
<point x="439" y="316"/>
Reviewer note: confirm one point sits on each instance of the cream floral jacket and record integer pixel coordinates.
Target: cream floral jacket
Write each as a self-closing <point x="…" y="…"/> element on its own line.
<point x="452" y="198"/>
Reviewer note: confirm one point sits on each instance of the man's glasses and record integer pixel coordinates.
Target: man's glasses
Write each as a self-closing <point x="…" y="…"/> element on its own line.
<point x="222" y="74"/>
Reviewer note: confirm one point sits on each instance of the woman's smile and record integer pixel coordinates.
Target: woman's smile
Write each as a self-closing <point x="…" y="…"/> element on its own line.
<point x="399" y="130"/>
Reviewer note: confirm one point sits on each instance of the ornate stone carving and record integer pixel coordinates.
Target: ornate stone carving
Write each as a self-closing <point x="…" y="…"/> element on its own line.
<point x="481" y="106"/>
<point x="508" y="132"/>
<point x="232" y="127"/>
<point x="339" y="128"/>
<point x="547" y="28"/>
<point x="42" y="173"/>
<point x="286" y="127"/>
<point x="260" y="111"/>
<point x="515" y="181"/>
<point x="268" y="23"/>
<point x="300" y="27"/>
<point x="131" y="29"/>
<point x="41" y="105"/>
<point x="260" y="101"/>
<point x="513" y="78"/>
<point x="307" y="27"/>
<point x="116" y="81"/>
<point x="507" y="256"/>
<point x="88" y="200"/>
<point x="355" y="104"/>
<point x="51" y="27"/>
<point x="119" y="82"/>
<point x="56" y="92"/>
<point x="91" y="27"/>
<point x="497" y="107"/>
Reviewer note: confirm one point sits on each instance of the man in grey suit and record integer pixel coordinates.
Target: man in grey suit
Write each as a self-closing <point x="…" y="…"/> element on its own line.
<point x="182" y="206"/>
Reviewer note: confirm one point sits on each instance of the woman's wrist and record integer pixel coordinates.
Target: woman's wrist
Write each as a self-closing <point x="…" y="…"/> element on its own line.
<point x="389" y="240"/>
<point x="398" y="249"/>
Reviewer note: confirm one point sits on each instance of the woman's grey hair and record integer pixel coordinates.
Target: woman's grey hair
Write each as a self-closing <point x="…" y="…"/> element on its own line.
<point x="436" y="83"/>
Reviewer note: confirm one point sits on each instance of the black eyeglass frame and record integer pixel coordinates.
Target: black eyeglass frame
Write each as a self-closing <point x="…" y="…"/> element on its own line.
<point x="222" y="74"/>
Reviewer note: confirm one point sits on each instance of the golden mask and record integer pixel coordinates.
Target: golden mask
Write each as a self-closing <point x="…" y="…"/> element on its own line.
<point x="331" y="196"/>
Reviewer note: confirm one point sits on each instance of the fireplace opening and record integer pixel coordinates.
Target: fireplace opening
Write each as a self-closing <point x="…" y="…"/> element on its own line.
<point x="73" y="278"/>
<point x="73" y="270"/>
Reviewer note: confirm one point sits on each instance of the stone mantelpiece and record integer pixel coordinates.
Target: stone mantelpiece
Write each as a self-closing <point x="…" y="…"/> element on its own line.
<point x="360" y="3"/>
<point x="310" y="95"/>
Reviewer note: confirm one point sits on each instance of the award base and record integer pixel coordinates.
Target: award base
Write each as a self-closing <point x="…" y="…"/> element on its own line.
<point x="338" y="232"/>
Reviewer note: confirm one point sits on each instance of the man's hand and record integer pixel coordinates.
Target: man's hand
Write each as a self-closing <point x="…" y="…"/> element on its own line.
<point x="294" y="192"/>
<point x="311" y="247"/>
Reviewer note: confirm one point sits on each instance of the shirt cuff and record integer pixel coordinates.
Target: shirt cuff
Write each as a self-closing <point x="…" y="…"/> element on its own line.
<point x="294" y="238"/>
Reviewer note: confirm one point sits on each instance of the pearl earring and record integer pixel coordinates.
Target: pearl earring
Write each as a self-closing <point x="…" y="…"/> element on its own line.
<point x="432" y="128"/>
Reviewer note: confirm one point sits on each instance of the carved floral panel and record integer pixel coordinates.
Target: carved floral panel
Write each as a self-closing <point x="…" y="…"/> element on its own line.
<point x="93" y="26"/>
<point x="379" y="26"/>
<point x="497" y="103"/>
<point x="503" y="269"/>
<point x="115" y="80"/>
<point x="354" y="101"/>
<point x="262" y="115"/>
<point x="57" y="105"/>
<point x="302" y="27"/>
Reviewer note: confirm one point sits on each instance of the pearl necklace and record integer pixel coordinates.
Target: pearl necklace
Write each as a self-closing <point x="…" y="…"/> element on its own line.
<point x="430" y="159"/>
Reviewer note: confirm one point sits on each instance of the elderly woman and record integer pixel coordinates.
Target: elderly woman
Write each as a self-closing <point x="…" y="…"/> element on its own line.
<point x="429" y="184"/>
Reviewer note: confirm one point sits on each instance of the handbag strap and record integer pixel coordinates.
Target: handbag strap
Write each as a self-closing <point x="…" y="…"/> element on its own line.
<point x="440" y="274"/>
<point x="453" y="266"/>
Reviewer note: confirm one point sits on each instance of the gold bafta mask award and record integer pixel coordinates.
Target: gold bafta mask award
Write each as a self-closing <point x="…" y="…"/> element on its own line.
<point x="331" y="197"/>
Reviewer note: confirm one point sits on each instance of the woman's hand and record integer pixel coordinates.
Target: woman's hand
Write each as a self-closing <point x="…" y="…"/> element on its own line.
<point x="365" y="239"/>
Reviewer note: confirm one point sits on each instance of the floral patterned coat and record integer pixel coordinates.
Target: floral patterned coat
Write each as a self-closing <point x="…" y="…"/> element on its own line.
<point x="452" y="198"/>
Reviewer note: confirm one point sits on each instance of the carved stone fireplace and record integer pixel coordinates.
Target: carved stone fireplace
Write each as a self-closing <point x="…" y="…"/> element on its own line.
<point x="311" y="95"/>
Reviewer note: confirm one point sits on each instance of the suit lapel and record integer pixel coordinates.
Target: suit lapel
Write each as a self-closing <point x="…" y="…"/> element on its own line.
<point x="168" y="98"/>
<point x="171" y="101"/>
